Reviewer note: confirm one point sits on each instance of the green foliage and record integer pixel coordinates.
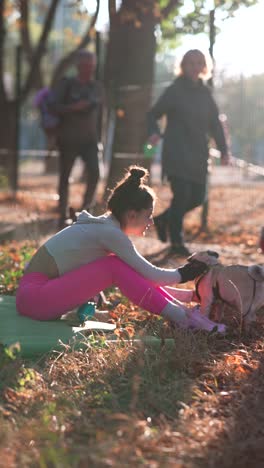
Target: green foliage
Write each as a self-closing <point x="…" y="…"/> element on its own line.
<point x="9" y="365"/>
<point x="196" y="20"/>
<point x="52" y="453"/>
<point x="70" y="23"/>
<point x="13" y="372"/>
<point x="12" y="262"/>
<point x="8" y="354"/>
<point x="3" y="179"/>
<point x="26" y="377"/>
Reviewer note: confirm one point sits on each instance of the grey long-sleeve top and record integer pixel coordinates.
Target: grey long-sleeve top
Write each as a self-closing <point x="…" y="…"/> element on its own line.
<point x="192" y="117"/>
<point x="92" y="237"/>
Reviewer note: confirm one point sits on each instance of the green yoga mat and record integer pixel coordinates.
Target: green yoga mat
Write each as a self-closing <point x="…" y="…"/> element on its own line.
<point x="36" y="337"/>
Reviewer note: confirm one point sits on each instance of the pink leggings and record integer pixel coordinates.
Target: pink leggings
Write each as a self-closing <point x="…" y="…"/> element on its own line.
<point x="42" y="298"/>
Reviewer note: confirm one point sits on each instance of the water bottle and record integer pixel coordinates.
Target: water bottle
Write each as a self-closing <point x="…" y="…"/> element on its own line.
<point x="149" y="150"/>
<point x="86" y="311"/>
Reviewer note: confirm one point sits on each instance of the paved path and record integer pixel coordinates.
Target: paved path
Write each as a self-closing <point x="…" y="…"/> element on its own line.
<point x="19" y="220"/>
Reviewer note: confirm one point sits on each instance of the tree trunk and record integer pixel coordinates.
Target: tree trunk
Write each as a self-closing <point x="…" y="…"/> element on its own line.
<point x="129" y="77"/>
<point x="8" y="139"/>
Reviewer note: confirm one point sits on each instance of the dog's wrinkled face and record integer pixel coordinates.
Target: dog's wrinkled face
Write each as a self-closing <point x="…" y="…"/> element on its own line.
<point x="208" y="257"/>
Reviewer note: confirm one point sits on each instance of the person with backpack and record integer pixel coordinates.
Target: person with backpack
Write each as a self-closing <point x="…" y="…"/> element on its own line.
<point x="49" y="121"/>
<point x="77" y="102"/>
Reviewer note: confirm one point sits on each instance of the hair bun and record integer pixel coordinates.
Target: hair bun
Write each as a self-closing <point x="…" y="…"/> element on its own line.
<point x="137" y="173"/>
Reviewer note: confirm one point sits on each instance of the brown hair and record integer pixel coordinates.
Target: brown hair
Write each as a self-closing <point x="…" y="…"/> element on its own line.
<point x="131" y="193"/>
<point x="208" y="65"/>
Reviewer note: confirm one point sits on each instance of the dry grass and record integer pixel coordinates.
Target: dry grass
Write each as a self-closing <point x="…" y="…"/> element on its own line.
<point x="194" y="403"/>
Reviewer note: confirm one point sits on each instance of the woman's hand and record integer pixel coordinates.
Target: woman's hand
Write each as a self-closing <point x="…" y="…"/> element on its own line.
<point x="191" y="270"/>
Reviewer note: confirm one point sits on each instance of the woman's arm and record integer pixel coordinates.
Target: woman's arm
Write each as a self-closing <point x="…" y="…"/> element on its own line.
<point x="115" y="241"/>
<point x="162" y="107"/>
<point x="59" y="105"/>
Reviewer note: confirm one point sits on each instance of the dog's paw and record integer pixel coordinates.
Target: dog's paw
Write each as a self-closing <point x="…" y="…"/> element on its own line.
<point x="202" y="322"/>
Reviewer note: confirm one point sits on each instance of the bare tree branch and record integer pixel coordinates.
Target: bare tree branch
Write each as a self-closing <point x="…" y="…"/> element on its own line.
<point x="168" y="8"/>
<point x="111" y="10"/>
<point x="26" y="43"/>
<point x="40" y="49"/>
<point x="24" y="30"/>
<point x="68" y="59"/>
<point x="2" y="41"/>
<point x="86" y="38"/>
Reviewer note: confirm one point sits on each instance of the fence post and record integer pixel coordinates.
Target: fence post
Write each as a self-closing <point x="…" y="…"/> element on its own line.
<point x="14" y="168"/>
<point x="205" y="207"/>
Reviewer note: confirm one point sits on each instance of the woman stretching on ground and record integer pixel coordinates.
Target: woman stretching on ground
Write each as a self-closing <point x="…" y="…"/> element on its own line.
<point x="96" y="253"/>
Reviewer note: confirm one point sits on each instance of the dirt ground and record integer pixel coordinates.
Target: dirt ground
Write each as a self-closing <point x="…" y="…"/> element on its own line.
<point x="235" y="216"/>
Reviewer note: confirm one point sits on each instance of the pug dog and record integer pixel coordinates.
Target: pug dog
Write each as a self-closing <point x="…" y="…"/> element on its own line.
<point x="238" y="286"/>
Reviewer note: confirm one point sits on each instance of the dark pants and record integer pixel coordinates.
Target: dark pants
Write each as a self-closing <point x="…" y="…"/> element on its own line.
<point x="187" y="195"/>
<point x="68" y="153"/>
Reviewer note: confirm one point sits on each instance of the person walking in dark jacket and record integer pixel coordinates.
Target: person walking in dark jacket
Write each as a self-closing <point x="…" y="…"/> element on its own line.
<point x="192" y="117"/>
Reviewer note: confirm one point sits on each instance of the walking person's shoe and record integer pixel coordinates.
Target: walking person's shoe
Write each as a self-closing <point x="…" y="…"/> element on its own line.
<point x="72" y="214"/>
<point x="65" y="222"/>
<point x="61" y="223"/>
<point x="180" y="250"/>
<point x="160" y="224"/>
